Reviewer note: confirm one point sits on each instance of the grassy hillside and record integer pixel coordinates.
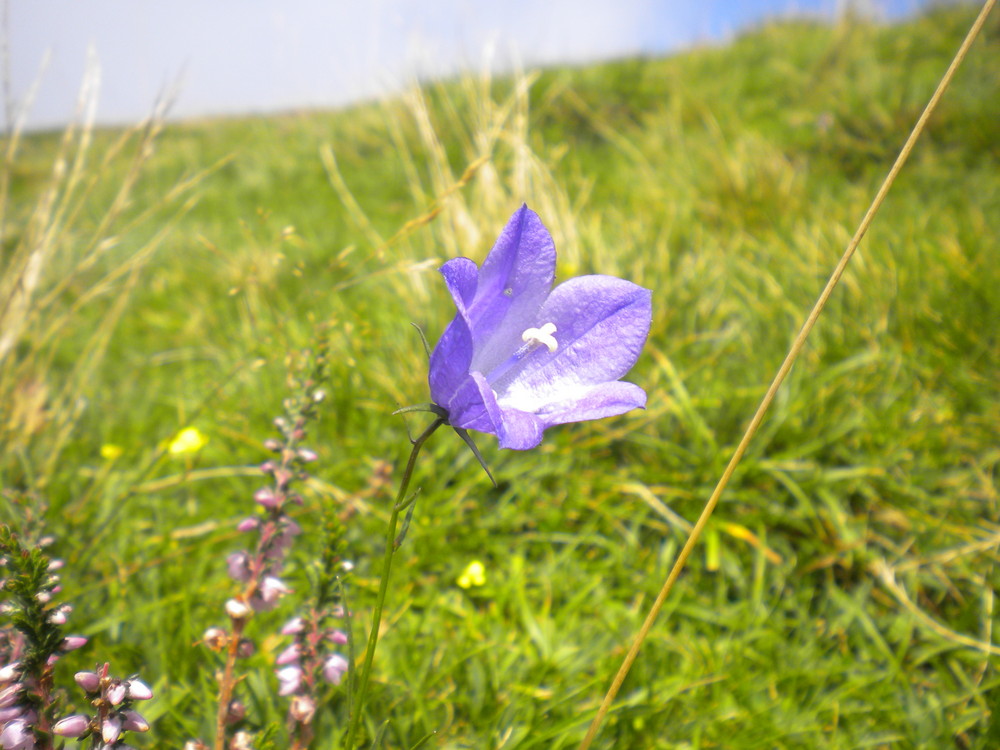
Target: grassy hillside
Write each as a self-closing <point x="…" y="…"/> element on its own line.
<point x="844" y="596"/>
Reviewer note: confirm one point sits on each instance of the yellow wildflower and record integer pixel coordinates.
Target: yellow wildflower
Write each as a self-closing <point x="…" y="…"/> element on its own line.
<point x="188" y="440"/>
<point x="110" y="451"/>
<point x="473" y="575"/>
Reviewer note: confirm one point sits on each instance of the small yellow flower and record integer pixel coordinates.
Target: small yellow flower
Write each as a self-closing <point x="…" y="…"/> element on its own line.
<point x="188" y="440"/>
<point x="473" y="575"/>
<point x="110" y="451"/>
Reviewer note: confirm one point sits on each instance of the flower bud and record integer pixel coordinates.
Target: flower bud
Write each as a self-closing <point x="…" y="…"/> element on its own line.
<point x="89" y="681"/>
<point x="73" y="642"/>
<point x="307" y="455"/>
<point x="235" y="712"/>
<point x="289" y="679"/>
<point x="238" y="564"/>
<point x="10" y="672"/>
<point x="248" y="524"/>
<point x="293" y="626"/>
<point x="302" y="709"/>
<point x="116" y="694"/>
<point x="238" y="610"/>
<point x="10" y="694"/>
<point x="319" y="396"/>
<point x="272" y="589"/>
<point x="334" y="668"/>
<point x="215" y="638"/>
<point x="72" y="726"/>
<point x="17" y="734"/>
<point x="273" y="445"/>
<point x="290" y="655"/>
<point x="111" y="728"/>
<point x="245" y="648"/>
<point x="266" y="497"/>
<point x="134" y="721"/>
<point x="241" y="741"/>
<point x="138" y="690"/>
<point x="337" y="636"/>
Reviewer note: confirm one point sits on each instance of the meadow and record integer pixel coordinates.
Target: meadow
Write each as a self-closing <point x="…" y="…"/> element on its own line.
<point x="171" y="276"/>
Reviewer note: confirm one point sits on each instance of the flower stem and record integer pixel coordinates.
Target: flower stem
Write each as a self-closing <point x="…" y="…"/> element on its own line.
<point x="390" y="548"/>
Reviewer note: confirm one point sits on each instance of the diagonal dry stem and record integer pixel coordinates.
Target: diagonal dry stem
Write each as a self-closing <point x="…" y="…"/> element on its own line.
<point x="786" y="366"/>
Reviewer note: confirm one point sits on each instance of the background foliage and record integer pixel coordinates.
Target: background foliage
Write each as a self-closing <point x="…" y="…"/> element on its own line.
<point x="156" y="278"/>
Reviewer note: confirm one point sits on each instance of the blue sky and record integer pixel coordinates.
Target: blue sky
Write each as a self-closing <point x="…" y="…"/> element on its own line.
<point x="245" y="56"/>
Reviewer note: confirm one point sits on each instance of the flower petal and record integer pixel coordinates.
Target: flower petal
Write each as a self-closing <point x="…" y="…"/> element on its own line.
<point x="513" y="283"/>
<point x="601" y="324"/>
<point x="450" y="361"/>
<point x="604" y="400"/>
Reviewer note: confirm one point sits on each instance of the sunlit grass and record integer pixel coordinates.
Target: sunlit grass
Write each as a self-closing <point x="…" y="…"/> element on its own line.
<point x="855" y="548"/>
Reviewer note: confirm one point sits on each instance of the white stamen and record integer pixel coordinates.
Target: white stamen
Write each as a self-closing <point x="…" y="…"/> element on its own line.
<point x="541" y="335"/>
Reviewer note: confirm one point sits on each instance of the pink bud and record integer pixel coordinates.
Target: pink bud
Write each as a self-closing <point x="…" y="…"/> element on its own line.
<point x="215" y="638"/>
<point x="307" y="455"/>
<point x="89" y="681"/>
<point x="10" y="694"/>
<point x="293" y="626"/>
<point x="266" y="497"/>
<point x="303" y="709"/>
<point x="58" y="616"/>
<point x="248" y="524"/>
<point x="9" y="713"/>
<point x="289" y="678"/>
<point x="245" y="648"/>
<point x="10" y="672"/>
<point x="235" y="712"/>
<point x="73" y="642"/>
<point x="282" y="477"/>
<point x="16" y="735"/>
<point x="56" y="564"/>
<point x="111" y="728"/>
<point x="337" y="636"/>
<point x="134" y="722"/>
<point x="273" y="445"/>
<point x="139" y="690"/>
<point x="71" y="726"/>
<point x="334" y="668"/>
<point x="290" y="655"/>
<point x="238" y="564"/>
<point x="272" y="589"/>
<point x="237" y="609"/>
<point x="116" y="694"/>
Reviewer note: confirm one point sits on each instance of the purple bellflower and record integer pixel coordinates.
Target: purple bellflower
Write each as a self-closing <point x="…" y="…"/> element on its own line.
<point x="519" y="356"/>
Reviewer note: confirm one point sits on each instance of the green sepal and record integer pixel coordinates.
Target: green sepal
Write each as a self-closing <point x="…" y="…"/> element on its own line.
<point x="464" y="434"/>
<point x="427" y="406"/>
<point x="423" y="339"/>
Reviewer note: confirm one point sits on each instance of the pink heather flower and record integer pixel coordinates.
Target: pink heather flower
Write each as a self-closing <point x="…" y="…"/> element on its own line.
<point x="89" y="681"/>
<point x="334" y="668"/>
<point x="237" y="609"/>
<point x="134" y="721"/>
<point x="303" y="709"/>
<point x="58" y="616"/>
<point x="71" y="726"/>
<point x="293" y="626"/>
<point x="307" y="455"/>
<point x="111" y="728"/>
<point x="238" y="564"/>
<point x="266" y="497"/>
<point x="11" y="712"/>
<point x="9" y="672"/>
<point x="272" y="589"/>
<point x="55" y="564"/>
<point x="248" y="524"/>
<point x="9" y="695"/>
<point x="290" y="655"/>
<point x="73" y="642"/>
<point x="289" y="679"/>
<point x="116" y="694"/>
<point x="337" y="636"/>
<point x="139" y="691"/>
<point x="17" y="735"/>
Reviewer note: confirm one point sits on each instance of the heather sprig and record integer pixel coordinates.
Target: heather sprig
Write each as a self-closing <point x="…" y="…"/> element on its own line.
<point x="112" y="699"/>
<point x="258" y="569"/>
<point x="31" y="641"/>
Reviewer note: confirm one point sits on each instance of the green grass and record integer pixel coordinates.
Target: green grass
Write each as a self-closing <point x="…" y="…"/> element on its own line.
<point x="726" y="180"/>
